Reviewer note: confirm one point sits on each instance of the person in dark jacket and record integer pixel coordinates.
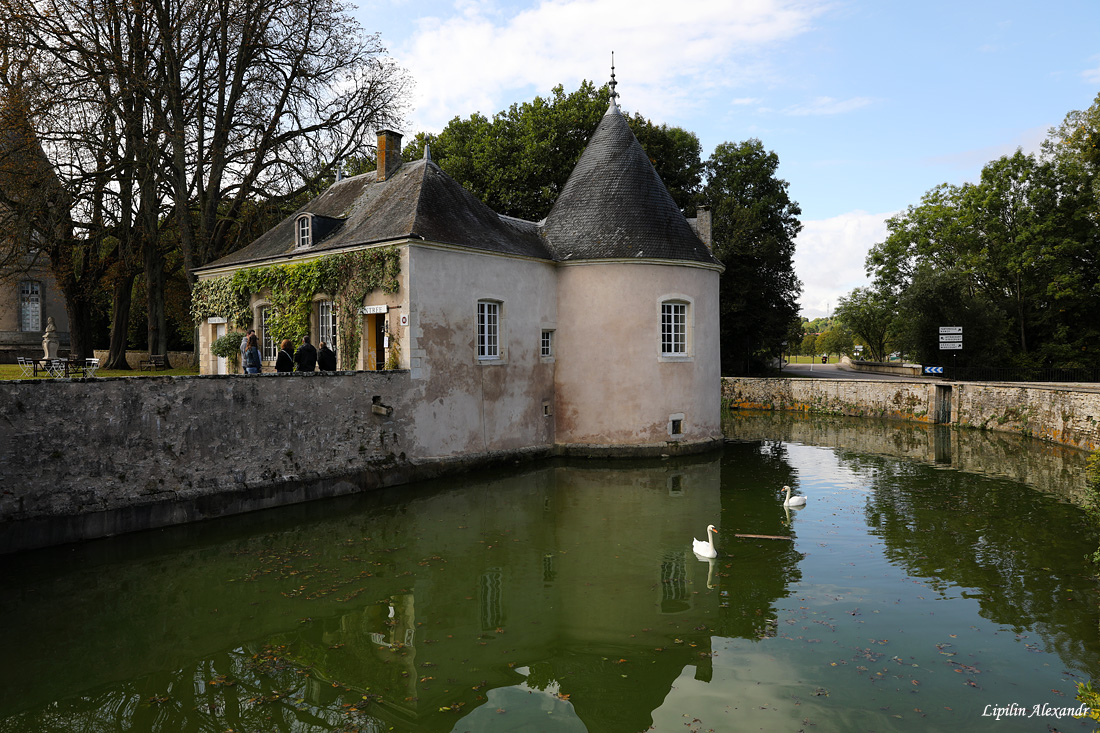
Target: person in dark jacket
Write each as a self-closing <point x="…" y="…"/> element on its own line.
<point x="284" y="362"/>
<point x="326" y="358"/>
<point x="253" y="363"/>
<point x="306" y="356"/>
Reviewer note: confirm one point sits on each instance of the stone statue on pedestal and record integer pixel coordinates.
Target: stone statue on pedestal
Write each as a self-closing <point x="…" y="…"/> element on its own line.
<point x="49" y="340"/>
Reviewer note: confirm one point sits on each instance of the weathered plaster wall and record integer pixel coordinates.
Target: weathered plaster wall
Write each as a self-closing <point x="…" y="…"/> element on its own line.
<point x="464" y="404"/>
<point x="1067" y="415"/>
<point x="613" y="385"/>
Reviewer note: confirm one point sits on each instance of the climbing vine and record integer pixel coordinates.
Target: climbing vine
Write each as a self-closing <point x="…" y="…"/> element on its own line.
<point x="1092" y="494"/>
<point x="348" y="277"/>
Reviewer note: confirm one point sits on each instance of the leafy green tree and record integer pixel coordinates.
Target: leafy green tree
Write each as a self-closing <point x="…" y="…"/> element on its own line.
<point x="869" y="315"/>
<point x="1014" y="254"/>
<point x="809" y="344"/>
<point x="754" y="225"/>
<point x="518" y="161"/>
<point x="837" y="340"/>
<point x="937" y="298"/>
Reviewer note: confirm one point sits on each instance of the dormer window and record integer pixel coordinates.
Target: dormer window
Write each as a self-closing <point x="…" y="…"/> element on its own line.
<point x="304" y="231"/>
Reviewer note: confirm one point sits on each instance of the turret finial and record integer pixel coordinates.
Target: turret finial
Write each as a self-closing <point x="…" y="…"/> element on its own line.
<point x="613" y="84"/>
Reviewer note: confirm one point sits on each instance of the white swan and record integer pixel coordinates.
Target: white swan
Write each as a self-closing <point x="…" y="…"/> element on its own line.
<point x="793" y="500"/>
<point x="705" y="549"/>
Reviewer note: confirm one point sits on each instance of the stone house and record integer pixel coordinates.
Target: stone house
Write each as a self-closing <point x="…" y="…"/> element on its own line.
<point x="29" y="297"/>
<point x="596" y="328"/>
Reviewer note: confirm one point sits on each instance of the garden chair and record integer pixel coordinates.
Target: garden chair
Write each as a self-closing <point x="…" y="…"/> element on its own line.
<point x="26" y="366"/>
<point x="90" y="367"/>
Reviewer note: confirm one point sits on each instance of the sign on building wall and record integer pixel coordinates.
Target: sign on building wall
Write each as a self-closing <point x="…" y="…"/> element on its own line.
<point x="370" y="310"/>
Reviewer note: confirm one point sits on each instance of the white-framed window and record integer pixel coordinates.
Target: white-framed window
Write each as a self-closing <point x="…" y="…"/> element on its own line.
<point x="326" y="323"/>
<point x="267" y="339"/>
<point x="674" y="328"/>
<point x="30" y="306"/>
<point x="488" y="329"/>
<point x="304" y="231"/>
<point x="546" y="347"/>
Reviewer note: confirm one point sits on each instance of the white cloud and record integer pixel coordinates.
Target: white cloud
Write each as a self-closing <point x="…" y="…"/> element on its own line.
<point x="827" y="106"/>
<point x="1091" y="76"/>
<point x="1030" y="141"/>
<point x="667" y="59"/>
<point x="829" y="256"/>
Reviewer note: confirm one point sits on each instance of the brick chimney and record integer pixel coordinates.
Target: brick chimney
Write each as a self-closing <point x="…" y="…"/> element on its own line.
<point x="389" y="153"/>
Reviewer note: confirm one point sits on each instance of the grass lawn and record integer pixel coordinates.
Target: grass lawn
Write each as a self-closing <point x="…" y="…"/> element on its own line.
<point x="13" y="371"/>
<point x="809" y="360"/>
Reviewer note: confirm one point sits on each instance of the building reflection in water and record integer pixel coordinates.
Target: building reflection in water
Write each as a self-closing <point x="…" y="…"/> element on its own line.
<point x="573" y="579"/>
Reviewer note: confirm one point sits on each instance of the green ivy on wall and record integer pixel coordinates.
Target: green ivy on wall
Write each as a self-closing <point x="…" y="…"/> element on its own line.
<point x="348" y="277"/>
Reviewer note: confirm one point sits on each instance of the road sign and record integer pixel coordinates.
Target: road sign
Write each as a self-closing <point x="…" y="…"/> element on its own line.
<point x="933" y="370"/>
<point x="951" y="329"/>
<point x="945" y="337"/>
<point x="951" y="345"/>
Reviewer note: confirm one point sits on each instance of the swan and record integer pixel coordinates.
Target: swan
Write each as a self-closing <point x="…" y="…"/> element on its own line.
<point x="793" y="500"/>
<point x="705" y="549"/>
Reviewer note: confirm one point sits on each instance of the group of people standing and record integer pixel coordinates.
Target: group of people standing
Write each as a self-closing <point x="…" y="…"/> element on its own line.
<point x="306" y="359"/>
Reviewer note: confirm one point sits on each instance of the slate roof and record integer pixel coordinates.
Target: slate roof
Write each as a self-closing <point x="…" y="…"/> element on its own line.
<point x="419" y="201"/>
<point x="614" y="205"/>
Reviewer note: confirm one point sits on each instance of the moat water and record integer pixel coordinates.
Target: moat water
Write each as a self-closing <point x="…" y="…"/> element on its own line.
<point x="932" y="578"/>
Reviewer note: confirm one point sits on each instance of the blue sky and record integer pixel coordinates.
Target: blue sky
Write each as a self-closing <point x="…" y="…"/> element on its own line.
<point x="868" y="104"/>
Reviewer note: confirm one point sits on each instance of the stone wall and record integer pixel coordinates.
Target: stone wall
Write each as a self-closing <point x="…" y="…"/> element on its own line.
<point x="91" y="458"/>
<point x="1055" y="469"/>
<point x="852" y="397"/>
<point x="1069" y="415"/>
<point x="86" y="458"/>
<point x="177" y="359"/>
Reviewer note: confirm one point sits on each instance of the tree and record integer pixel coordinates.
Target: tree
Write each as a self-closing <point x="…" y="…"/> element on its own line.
<point x="754" y="225"/>
<point x="518" y="162"/>
<point x="869" y="315"/>
<point x="160" y="107"/>
<point x="38" y="215"/>
<point x="837" y="340"/>
<point x="809" y="344"/>
<point x="1015" y="253"/>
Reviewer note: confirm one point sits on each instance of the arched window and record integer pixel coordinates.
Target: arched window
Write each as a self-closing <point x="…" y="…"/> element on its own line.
<point x="326" y="323"/>
<point x="268" y="349"/>
<point x="304" y="231"/>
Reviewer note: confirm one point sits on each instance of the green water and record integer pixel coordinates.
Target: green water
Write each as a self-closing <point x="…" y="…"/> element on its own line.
<point x="928" y="581"/>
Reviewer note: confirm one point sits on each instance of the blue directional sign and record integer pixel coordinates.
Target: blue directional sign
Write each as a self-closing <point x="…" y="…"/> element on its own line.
<point x="933" y="370"/>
